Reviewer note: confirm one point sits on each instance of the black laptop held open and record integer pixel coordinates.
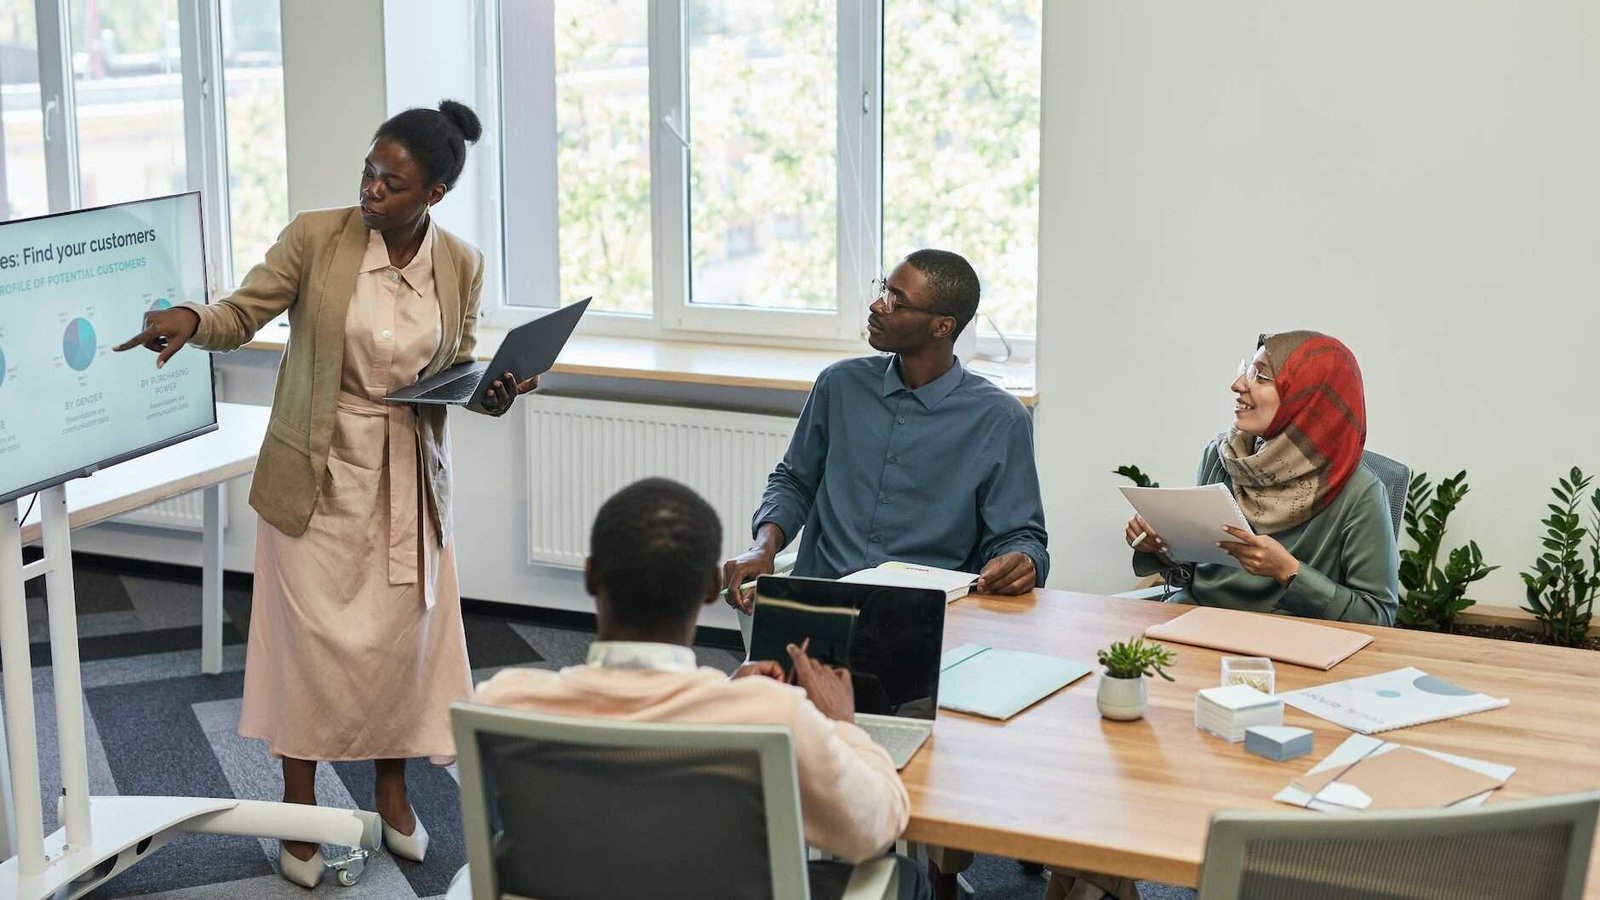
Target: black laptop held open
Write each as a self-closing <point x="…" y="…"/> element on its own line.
<point x="528" y="350"/>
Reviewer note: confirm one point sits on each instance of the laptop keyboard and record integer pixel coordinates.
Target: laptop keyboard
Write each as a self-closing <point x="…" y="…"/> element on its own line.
<point x="901" y="740"/>
<point x="459" y="390"/>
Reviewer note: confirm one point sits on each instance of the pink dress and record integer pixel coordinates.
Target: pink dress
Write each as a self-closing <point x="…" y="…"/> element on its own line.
<point x="356" y="643"/>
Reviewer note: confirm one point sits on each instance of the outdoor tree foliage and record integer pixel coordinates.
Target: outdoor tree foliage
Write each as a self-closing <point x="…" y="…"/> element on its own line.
<point x="960" y="149"/>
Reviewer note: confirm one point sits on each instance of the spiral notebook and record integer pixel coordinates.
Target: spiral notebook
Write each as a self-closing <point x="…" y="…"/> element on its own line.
<point x="1397" y="699"/>
<point x="1190" y="520"/>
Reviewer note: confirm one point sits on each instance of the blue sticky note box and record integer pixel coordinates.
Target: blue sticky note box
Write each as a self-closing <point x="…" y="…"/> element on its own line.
<point x="1278" y="742"/>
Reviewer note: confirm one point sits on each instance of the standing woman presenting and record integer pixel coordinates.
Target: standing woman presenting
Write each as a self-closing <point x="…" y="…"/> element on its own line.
<point x="356" y="643"/>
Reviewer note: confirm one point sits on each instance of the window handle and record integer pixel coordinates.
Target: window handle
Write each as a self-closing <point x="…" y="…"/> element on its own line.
<point x="673" y="127"/>
<point x="50" y="109"/>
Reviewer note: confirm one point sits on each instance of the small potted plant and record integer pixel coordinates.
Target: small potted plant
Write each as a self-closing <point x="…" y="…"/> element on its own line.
<point x="1123" y="694"/>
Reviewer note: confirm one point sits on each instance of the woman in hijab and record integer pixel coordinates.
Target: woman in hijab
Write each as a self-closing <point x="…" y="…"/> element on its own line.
<point x="1324" y="543"/>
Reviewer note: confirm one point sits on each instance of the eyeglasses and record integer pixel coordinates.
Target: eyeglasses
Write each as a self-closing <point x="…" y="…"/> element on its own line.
<point x="1252" y="373"/>
<point x="891" y="301"/>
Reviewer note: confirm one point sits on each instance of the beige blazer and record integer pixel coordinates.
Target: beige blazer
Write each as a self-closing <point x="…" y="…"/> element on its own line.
<point x="311" y="272"/>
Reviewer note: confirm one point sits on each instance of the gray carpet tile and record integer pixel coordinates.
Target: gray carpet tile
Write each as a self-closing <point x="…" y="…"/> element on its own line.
<point x="558" y="647"/>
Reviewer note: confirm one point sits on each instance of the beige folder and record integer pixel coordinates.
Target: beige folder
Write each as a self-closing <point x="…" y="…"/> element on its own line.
<point x="1282" y="638"/>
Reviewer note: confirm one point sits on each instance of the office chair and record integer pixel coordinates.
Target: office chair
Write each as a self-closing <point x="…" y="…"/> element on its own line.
<point x="1396" y="478"/>
<point x="1525" y="848"/>
<point x="587" y="809"/>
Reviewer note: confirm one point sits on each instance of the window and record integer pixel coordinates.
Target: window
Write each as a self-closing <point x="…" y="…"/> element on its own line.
<point x="721" y="167"/>
<point x="103" y="101"/>
<point x="763" y="218"/>
<point x="127" y="78"/>
<point x="258" y="176"/>
<point x="602" y="86"/>
<point x="22" y="177"/>
<point x="961" y="143"/>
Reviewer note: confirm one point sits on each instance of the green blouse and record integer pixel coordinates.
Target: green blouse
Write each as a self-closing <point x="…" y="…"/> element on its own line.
<point x="1349" y="560"/>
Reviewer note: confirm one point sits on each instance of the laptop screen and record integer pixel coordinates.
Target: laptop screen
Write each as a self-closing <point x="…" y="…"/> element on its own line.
<point x="892" y="641"/>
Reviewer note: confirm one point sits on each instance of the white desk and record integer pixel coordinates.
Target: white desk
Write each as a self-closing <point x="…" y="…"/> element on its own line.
<point x="203" y="464"/>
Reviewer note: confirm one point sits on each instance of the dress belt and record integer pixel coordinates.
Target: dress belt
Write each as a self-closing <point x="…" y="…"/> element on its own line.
<point x="402" y="449"/>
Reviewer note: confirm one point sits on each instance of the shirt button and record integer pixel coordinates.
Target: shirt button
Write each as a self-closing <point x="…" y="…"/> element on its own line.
<point x="883" y="499"/>
<point x="393" y="275"/>
<point x="893" y="460"/>
<point x="387" y="334"/>
<point x="901" y="420"/>
<point x="877" y="539"/>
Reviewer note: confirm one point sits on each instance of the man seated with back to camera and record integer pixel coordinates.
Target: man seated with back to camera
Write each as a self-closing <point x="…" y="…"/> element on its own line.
<point x="652" y="566"/>
<point x="906" y="457"/>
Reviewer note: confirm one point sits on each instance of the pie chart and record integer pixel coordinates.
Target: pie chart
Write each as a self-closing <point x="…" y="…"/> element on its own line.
<point x="77" y="345"/>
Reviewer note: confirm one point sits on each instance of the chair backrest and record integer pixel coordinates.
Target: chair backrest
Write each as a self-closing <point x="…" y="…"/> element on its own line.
<point x="1396" y="478"/>
<point x="570" y="809"/>
<point x="1526" y="848"/>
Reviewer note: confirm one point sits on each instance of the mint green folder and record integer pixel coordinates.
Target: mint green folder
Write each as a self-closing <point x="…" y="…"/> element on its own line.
<point x="998" y="684"/>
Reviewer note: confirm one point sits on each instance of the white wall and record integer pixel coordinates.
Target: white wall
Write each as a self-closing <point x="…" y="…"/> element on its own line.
<point x="333" y="95"/>
<point x="1419" y="179"/>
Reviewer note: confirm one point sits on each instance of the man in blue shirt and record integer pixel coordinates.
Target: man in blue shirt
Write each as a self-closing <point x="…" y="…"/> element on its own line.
<point x="907" y="457"/>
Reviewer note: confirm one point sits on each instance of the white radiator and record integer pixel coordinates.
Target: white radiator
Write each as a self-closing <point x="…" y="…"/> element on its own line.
<point x="582" y="451"/>
<point x="183" y="513"/>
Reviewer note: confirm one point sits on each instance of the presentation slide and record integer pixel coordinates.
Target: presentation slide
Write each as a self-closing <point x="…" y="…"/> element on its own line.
<point x="72" y="286"/>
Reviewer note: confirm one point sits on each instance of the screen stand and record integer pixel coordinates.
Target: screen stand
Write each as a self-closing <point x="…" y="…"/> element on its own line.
<point x="103" y="836"/>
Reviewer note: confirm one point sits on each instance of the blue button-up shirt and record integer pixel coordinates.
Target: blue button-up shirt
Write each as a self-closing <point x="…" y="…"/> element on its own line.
<point x="941" y="476"/>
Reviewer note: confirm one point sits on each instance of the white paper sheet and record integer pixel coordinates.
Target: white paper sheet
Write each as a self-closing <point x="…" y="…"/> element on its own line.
<point x="1190" y="520"/>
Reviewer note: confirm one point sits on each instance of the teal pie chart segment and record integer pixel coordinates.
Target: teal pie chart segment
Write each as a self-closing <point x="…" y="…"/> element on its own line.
<point x="78" y="345"/>
<point x="1431" y="685"/>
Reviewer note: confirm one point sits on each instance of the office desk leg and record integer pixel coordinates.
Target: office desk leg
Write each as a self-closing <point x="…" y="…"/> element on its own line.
<point x="212" y="499"/>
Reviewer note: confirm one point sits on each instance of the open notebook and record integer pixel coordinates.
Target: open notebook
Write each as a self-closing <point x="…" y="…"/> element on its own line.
<point x="903" y="574"/>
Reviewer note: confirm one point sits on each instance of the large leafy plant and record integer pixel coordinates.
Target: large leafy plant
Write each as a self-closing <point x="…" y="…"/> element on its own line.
<point x="1135" y="659"/>
<point x="1561" y="586"/>
<point x="1434" y="595"/>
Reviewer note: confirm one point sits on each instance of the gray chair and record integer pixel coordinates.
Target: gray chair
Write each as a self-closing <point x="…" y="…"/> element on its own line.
<point x="588" y="809"/>
<point x="1526" y="848"/>
<point x="1396" y="478"/>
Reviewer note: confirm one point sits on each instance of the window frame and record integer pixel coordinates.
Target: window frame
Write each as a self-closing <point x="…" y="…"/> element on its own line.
<point x="523" y="101"/>
<point x="205" y="123"/>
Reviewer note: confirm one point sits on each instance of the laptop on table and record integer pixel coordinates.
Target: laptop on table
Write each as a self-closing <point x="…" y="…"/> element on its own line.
<point x="891" y="637"/>
<point x="529" y="349"/>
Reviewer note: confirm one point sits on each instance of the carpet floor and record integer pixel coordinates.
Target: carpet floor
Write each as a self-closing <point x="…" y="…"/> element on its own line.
<point x="157" y="727"/>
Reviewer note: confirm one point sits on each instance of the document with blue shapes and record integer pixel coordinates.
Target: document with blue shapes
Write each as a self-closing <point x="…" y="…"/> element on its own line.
<point x="1397" y="699"/>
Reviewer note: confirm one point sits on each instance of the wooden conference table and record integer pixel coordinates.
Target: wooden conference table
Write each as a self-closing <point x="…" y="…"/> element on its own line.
<point x="1059" y="785"/>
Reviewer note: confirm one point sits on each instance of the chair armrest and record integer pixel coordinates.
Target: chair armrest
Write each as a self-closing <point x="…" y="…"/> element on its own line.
<point x="876" y="879"/>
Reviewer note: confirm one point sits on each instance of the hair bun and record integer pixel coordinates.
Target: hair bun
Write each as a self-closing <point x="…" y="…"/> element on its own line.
<point x="463" y="118"/>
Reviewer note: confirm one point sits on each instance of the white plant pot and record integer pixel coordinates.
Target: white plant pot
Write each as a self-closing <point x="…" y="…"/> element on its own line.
<point x="1122" y="699"/>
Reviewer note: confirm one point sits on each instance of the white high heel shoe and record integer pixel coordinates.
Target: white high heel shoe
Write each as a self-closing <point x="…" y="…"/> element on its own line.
<point x="305" y="872"/>
<point x="413" y="846"/>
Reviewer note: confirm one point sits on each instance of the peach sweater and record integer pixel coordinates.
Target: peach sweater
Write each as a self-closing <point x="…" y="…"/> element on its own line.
<point x="851" y="798"/>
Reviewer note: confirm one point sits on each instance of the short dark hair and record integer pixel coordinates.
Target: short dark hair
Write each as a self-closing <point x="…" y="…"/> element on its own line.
<point x="952" y="284"/>
<point x="654" y="551"/>
<point x="436" y="138"/>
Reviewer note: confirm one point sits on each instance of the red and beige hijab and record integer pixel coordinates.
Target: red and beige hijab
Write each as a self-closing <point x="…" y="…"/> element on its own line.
<point x="1314" y="444"/>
